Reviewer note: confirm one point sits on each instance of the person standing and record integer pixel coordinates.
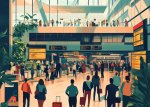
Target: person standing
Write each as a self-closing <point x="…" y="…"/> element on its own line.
<point x="22" y="72"/>
<point x="26" y="93"/>
<point x="126" y="91"/>
<point x="87" y="87"/>
<point x="32" y="72"/>
<point x="38" y="68"/>
<point x="58" y="68"/>
<point x="52" y="69"/>
<point x="46" y="73"/>
<point x="96" y="84"/>
<point x="41" y="91"/>
<point x="91" y="68"/>
<point x="96" y="67"/>
<point x="74" y="70"/>
<point x="102" y="70"/>
<point x="52" y="22"/>
<point x="111" y="89"/>
<point x="72" y="92"/>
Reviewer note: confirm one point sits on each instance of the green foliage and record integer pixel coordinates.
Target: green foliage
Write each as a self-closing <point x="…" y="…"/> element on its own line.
<point x="19" y="50"/>
<point x="4" y="104"/>
<point x="141" y="93"/>
<point x="4" y="47"/>
<point x="28" y="24"/>
<point x="6" y="78"/>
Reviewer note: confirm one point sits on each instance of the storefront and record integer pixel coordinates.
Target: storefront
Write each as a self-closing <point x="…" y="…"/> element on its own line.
<point x="140" y="44"/>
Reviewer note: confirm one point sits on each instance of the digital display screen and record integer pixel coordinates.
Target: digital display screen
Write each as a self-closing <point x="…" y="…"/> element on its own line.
<point x="136" y="59"/>
<point x="138" y="37"/>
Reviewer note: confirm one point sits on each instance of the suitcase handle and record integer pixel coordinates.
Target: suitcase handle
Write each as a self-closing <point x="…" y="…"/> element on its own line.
<point x="57" y="97"/>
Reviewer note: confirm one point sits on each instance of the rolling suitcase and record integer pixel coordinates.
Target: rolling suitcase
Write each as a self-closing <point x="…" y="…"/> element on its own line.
<point x="57" y="103"/>
<point x="82" y="101"/>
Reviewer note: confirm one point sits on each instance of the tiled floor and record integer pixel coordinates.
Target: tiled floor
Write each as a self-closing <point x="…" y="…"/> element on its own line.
<point x="59" y="87"/>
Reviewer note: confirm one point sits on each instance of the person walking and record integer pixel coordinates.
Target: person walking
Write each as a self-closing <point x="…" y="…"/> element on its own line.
<point x="126" y="91"/>
<point x="26" y="93"/>
<point x="32" y="72"/>
<point x="116" y="80"/>
<point x="38" y="68"/>
<point x="87" y="87"/>
<point x="102" y="70"/>
<point x="96" y="85"/>
<point x="72" y="92"/>
<point x="111" y="89"/>
<point x="40" y="92"/>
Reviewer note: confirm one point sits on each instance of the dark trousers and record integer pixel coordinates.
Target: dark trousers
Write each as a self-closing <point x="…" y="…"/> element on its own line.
<point x="47" y="76"/>
<point x="26" y="96"/>
<point x="111" y="102"/>
<point x="102" y="72"/>
<point x="126" y="99"/>
<point x="72" y="101"/>
<point x="74" y="73"/>
<point x="96" y="87"/>
<point x="32" y="76"/>
<point x="58" y="72"/>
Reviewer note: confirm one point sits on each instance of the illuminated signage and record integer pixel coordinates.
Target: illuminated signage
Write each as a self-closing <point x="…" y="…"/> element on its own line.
<point x="37" y="56"/>
<point x="136" y="59"/>
<point x="37" y="53"/>
<point x="37" y="50"/>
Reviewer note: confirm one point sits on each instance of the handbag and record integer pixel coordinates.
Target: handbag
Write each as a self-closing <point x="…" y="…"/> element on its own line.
<point x="117" y="100"/>
<point x="36" y="95"/>
<point x="99" y="91"/>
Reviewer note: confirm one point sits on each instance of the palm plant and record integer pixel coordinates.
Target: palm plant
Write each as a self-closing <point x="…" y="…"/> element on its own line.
<point x="141" y="93"/>
<point x="29" y="23"/>
<point x="4" y="62"/>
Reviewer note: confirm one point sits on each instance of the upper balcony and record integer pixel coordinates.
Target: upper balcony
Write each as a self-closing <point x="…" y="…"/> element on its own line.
<point x="92" y="29"/>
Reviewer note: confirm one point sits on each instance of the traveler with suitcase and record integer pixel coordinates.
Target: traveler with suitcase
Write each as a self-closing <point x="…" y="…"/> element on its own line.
<point x="87" y="87"/>
<point x="72" y="92"/>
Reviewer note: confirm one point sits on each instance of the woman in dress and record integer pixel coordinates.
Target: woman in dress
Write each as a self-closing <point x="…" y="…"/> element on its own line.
<point x="40" y="92"/>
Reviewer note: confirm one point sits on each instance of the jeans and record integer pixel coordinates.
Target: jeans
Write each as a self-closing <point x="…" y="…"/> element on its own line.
<point x="111" y="102"/>
<point x="32" y="76"/>
<point x="89" y="97"/>
<point x="72" y="101"/>
<point x="126" y="99"/>
<point x="26" y="96"/>
<point x="96" y="87"/>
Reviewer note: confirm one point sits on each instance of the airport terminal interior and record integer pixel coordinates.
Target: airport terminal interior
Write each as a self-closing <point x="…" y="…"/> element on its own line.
<point x="74" y="53"/>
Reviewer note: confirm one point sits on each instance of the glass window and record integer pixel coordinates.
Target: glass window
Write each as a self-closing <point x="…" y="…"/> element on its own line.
<point x="120" y="38"/>
<point x="96" y="39"/>
<point x="104" y="39"/>
<point x="110" y="39"/>
<point x="115" y="39"/>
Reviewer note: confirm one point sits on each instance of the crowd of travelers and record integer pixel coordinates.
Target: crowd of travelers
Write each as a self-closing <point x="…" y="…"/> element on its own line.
<point x="57" y="70"/>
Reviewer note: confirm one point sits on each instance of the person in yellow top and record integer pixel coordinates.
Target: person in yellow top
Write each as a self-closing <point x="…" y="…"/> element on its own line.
<point x="126" y="91"/>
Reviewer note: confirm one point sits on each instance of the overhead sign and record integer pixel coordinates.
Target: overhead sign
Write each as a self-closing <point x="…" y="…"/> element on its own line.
<point x="37" y="56"/>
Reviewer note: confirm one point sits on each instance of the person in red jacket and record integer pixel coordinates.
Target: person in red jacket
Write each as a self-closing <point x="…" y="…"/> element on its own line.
<point x="26" y="93"/>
